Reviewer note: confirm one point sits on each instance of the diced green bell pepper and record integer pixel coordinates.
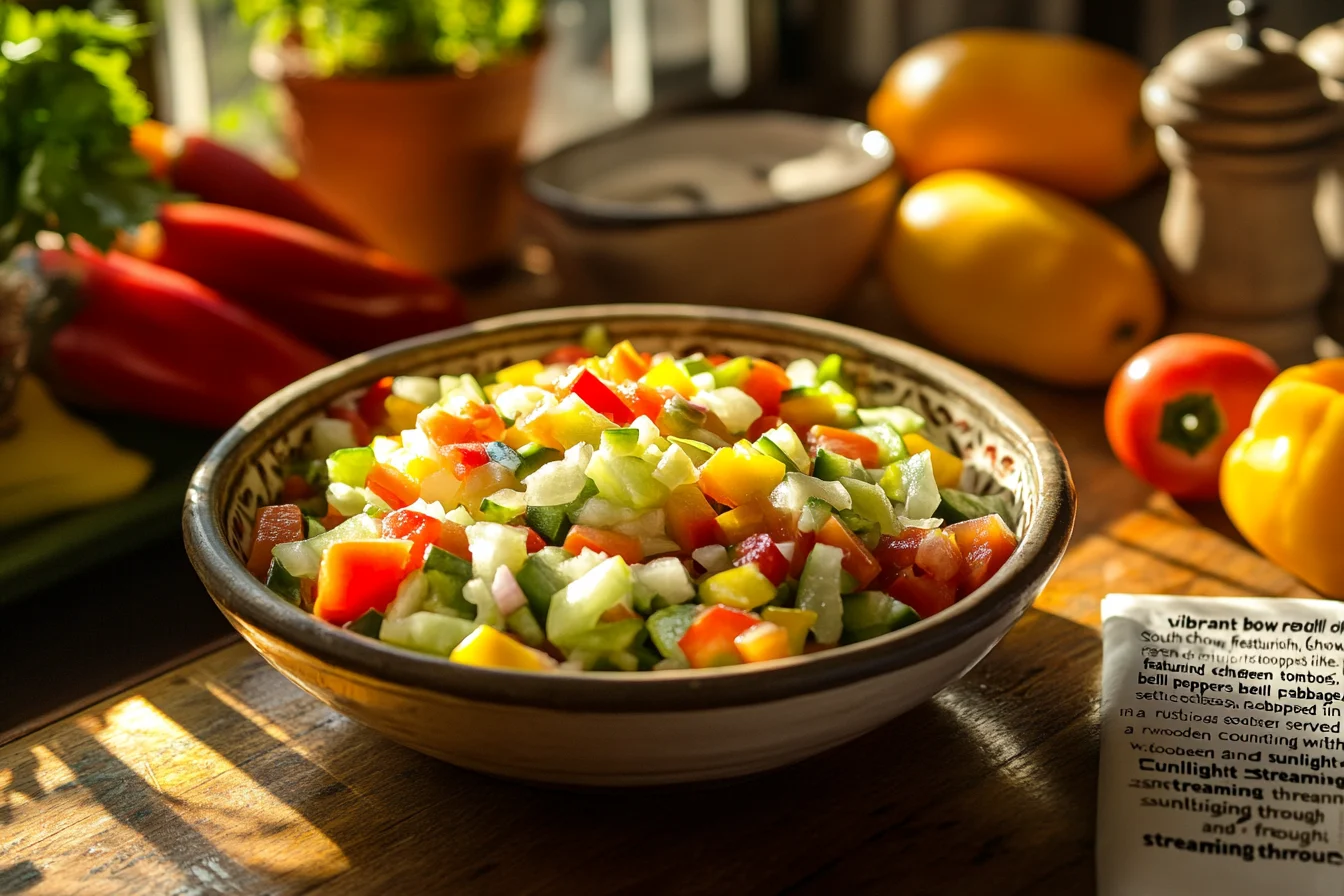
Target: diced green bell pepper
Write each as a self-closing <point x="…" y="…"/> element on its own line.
<point x="524" y="624"/>
<point x="540" y="578"/>
<point x="445" y="595"/>
<point x="668" y="625"/>
<point x="369" y="625"/>
<point x="283" y="584"/>
<point x="869" y="614"/>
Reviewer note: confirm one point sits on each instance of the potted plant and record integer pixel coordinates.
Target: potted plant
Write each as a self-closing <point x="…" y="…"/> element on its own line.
<point x="405" y="116"/>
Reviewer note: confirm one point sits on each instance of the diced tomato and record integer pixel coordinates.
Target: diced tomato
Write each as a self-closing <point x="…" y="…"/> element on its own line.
<point x="986" y="544"/>
<point x="691" y="521"/>
<point x="624" y="363"/>
<point x="763" y="424"/>
<point x="392" y="485"/>
<point x="358" y="576"/>
<point x="453" y="539"/>
<point x="371" y="404"/>
<point x="858" y="560"/>
<point x="939" y="556"/>
<point x="845" y="443"/>
<point x="709" y="640"/>
<point x="464" y="457"/>
<point x="566" y="354"/>
<point x="611" y="543"/>
<point x="534" y="540"/>
<point x="761" y="550"/>
<point x="598" y="396"/>
<point x="487" y="422"/>
<point x="361" y="432"/>
<point x="296" y="488"/>
<point x="444" y="430"/>
<point x="923" y="594"/>
<point x="802" y="546"/>
<point x="765" y="382"/>
<point x="895" y="552"/>
<point x="420" y="529"/>
<point x="641" y="399"/>
<point x="277" y="524"/>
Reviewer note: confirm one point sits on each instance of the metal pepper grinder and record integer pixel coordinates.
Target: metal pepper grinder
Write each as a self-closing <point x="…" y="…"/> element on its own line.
<point x="1323" y="50"/>
<point x="1244" y="126"/>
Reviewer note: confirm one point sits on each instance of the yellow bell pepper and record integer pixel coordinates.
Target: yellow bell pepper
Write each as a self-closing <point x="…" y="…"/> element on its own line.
<point x="667" y="373"/>
<point x="56" y="462"/>
<point x="796" y="622"/>
<point x="401" y="412"/>
<point x="491" y="648"/>
<point x="524" y="373"/>
<point x="742" y="588"/>
<point x="738" y="474"/>
<point x="763" y="641"/>
<point x="1282" y="478"/>
<point x="947" y="467"/>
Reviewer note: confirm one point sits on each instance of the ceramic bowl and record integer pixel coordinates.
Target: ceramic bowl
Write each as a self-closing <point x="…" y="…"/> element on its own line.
<point x="621" y="729"/>
<point x="754" y="209"/>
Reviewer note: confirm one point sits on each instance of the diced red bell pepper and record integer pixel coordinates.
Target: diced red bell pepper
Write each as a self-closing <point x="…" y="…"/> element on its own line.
<point x="392" y="485"/>
<point x="763" y="424"/>
<point x="358" y="427"/>
<point x="922" y="593"/>
<point x="372" y="404"/>
<point x="598" y="396"/>
<point x="761" y="550"/>
<point x="642" y="400"/>
<point x="849" y="444"/>
<point x="765" y="382"/>
<point x="691" y="521"/>
<point x="613" y="544"/>
<point x="464" y="458"/>
<point x="278" y="524"/>
<point x="709" y="639"/>
<point x="986" y="544"/>
<point x="566" y="354"/>
<point x="802" y="546"/>
<point x="358" y="576"/>
<point x="534" y="540"/>
<point x="420" y="529"/>
<point x="858" y="560"/>
<point x="295" y="488"/>
<point x="453" y="539"/>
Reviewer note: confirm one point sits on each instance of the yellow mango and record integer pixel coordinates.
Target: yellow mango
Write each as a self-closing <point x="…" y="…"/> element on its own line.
<point x="1001" y="272"/>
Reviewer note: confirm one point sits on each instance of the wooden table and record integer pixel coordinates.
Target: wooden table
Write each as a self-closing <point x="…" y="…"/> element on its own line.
<point x="221" y="777"/>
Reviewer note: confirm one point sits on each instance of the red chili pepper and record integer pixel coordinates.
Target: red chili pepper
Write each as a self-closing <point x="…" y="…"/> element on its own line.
<point x="152" y="341"/>
<point x="341" y="295"/>
<point x="212" y="172"/>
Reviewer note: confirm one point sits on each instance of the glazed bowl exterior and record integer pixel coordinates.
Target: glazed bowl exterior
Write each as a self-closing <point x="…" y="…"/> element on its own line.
<point x="799" y="255"/>
<point x="627" y="729"/>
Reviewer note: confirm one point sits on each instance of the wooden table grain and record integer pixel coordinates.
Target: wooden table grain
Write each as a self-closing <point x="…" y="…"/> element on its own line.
<point x="221" y="777"/>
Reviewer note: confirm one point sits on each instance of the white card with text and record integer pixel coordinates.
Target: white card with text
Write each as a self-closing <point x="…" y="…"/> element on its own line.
<point x="1222" y="755"/>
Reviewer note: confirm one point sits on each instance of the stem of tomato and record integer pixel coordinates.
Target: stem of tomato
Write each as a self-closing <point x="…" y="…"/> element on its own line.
<point x="1191" y="423"/>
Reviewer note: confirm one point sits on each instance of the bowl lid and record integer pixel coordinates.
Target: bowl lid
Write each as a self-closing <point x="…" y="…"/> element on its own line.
<point x="710" y="166"/>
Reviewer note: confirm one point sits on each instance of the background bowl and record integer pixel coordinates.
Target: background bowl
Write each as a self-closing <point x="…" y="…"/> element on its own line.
<point x="756" y="209"/>
<point x="637" y="728"/>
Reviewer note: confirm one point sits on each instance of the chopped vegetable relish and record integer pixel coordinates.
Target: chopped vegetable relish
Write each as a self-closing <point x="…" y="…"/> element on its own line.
<point x="604" y="509"/>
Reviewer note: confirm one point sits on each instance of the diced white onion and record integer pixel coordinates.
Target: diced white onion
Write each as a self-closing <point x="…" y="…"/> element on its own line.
<point x="712" y="557"/>
<point x="329" y="434"/>
<point x="508" y="596"/>
<point x="925" y="523"/>
<point x="735" y="408"/>
<point x="787" y="548"/>
<point x="419" y="389"/>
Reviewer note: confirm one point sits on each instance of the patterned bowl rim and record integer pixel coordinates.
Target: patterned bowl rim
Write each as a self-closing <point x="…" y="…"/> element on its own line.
<point x="1011" y="589"/>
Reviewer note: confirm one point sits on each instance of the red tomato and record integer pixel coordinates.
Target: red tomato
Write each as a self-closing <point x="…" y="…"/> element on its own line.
<point x="921" y="593"/>
<point x="372" y="404"/>
<point x="357" y="576"/>
<point x="895" y="552"/>
<point x="845" y="443"/>
<point x="1178" y="404"/>
<point x="762" y="425"/>
<point x="986" y="544"/>
<point x="275" y="525"/>
<point x="765" y="382"/>
<point x="642" y="400"/>
<point x="566" y="354"/>
<point x="464" y="458"/>
<point x="761" y="550"/>
<point x="453" y="539"/>
<point x="420" y="529"/>
<point x="709" y="640"/>
<point x="534" y="540"/>
<point x="444" y="430"/>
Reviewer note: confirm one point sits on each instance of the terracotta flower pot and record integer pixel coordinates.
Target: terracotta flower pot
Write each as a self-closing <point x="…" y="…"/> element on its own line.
<point x="425" y="167"/>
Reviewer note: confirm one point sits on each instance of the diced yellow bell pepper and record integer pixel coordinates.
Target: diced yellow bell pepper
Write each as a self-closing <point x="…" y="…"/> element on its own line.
<point x="624" y="363"/>
<point x="524" y="373"/>
<point x="740" y="474"/>
<point x="946" y="467"/>
<point x="796" y="622"/>
<point x="763" y="641"/>
<point x="810" y="410"/>
<point x="667" y="373"/>
<point x="401" y="412"/>
<point x="740" y="522"/>
<point x="742" y="588"/>
<point x="515" y="438"/>
<point x="492" y="649"/>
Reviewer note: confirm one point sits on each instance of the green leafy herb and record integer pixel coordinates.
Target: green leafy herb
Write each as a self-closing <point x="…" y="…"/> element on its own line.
<point x="67" y="103"/>
<point x="395" y="37"/>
